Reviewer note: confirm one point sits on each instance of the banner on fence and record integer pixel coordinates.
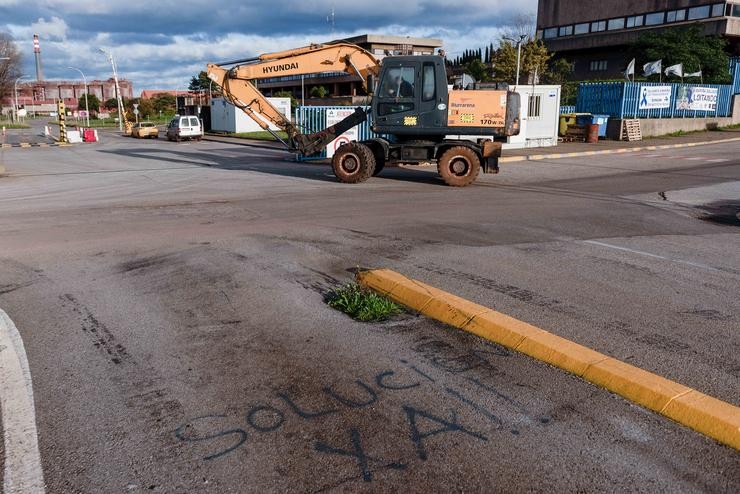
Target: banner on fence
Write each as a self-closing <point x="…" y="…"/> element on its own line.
<point x="696" y="98"/>
<point x="334" y="116"/>
<point x="654" y="97"/>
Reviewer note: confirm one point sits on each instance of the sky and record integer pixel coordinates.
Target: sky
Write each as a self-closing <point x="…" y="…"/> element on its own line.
<point x="161" y="44"/>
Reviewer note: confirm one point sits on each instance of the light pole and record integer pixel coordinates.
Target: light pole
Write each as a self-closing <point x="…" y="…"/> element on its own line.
<point x="15" y="93"/>
<point x="118" y="89"/>
<point x="518" y="42"/>
<point x="87" y="107"/>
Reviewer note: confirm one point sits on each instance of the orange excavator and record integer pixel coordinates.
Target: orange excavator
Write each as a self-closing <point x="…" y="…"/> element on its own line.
<point x="412" y="110"/>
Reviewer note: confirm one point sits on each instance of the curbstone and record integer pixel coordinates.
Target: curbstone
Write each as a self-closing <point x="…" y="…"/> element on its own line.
<point x="709" y="416"/>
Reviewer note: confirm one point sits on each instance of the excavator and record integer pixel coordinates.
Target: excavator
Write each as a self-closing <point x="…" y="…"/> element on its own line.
<point x="413" y="112"/>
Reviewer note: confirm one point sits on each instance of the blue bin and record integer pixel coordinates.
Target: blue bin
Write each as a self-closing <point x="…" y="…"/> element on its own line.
<point x="600" y="120"/>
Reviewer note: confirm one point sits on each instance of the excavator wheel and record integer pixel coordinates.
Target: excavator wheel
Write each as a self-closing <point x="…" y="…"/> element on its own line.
<point x="353" y="163"/>
<point x="459" y="166"/>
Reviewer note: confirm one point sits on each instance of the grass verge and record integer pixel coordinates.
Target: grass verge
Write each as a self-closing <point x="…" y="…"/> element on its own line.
<point x="14" y="126"/>
<point x="261" y="135"/>
<point x="362" y="304"/>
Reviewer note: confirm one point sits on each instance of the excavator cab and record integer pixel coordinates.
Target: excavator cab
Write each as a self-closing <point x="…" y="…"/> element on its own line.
<point x="411" y="96"/>
<point x="412" y="99"/>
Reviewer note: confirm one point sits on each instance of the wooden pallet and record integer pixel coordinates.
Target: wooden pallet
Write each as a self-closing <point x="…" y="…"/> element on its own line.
<point x="575" y="133"/>
<point x="631" y="130"/>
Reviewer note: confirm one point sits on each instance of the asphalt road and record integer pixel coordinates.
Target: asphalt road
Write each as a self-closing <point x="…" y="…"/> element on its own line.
<point x="34" y="134"/>
<point x="170" y="298"/>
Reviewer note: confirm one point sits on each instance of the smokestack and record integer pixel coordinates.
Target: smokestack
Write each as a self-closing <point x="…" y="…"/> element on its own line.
<point x="37" y="54"/>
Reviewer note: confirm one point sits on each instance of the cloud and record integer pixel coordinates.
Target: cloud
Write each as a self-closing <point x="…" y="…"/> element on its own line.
<point x="163" y="47"/>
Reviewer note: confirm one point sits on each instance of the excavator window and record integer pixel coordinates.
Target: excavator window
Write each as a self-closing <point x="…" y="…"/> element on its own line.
<point x="427" y="82"/>
<point x="398" y="83"/>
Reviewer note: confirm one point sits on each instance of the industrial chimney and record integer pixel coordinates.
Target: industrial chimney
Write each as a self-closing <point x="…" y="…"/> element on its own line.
<point x="37" y="54"/>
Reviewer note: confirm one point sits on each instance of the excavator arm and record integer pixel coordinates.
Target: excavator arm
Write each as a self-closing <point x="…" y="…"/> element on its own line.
<point x="238" y="87"/>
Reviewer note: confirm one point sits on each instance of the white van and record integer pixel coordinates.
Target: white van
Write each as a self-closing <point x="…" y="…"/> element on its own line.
<point x="184" y="127"/>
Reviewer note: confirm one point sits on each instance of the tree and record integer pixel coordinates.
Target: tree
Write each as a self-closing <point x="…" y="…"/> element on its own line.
<point x="319" y="92"/>
<point x="93" y="103"/>
<point x="534" y="57"/>
<point x="146" y="109"/>
<point x="201" y="82"/>
<point x="558" y="71"/>
<point x="687" y="45"/>
<point x="164" y="102"/>
<point x="504" y="61"/>
<point x="478" y="70"/>
<point x="10" y="69"/>
<point x="111" y="103"/>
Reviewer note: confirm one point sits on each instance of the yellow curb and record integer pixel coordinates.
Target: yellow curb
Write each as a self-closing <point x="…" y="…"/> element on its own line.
<point x="2" y="170"/>
<point x="539" y="157"/>
<point x="712" y="417"/>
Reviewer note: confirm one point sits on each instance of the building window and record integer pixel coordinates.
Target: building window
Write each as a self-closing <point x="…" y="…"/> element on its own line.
<point x="699" y="12"/>
<point x="535" y="105"/>
<point x="654" y="19"/>
<point x="598" y="26"/>
<point x="598" y="65"/>
<point x="566" y="31"/>
<point x="676" y="15"/>
<point x="736" y="10"/>
<point x="581" y="28"/>
<point x="635" y="21"/>
<point x="551" y="32"/>
<point x="615" y="24"/>
<point x="718" y="10"/>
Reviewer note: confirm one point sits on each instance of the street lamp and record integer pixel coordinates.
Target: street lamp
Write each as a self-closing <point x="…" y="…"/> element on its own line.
<point x="118" y="89"/>
<point x="87" y="95"/>
<point x="518" y="42"/>
<point x="15" y="93"/>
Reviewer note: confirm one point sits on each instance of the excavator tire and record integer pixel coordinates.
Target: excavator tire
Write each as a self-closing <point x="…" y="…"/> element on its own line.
<point x="459" y="166"/>
<point x="353" y="163"/>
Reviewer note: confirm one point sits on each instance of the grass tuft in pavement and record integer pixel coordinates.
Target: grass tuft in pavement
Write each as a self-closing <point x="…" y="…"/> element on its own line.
<point x="362" y="304"/>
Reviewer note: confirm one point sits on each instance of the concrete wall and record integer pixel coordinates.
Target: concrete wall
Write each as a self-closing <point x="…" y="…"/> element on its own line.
<point x="662" y="126"/>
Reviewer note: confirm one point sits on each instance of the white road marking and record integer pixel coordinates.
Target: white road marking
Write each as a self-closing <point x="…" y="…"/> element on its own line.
<point x="648" y="254"/>
<point x="718" y="160"/>
<point x="23" y="472"/>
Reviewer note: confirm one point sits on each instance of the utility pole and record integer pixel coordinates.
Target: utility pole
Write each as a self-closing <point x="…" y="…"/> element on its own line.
<point x="121" y="110"/>
<point x="518" y="42"/>
<point x="87" y="95"/>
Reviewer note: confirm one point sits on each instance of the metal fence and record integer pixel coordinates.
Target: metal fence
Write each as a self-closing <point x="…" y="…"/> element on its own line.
<point x="621" y="100"/>
<point x="567" y="109"/>
<point x="310" y="119"/>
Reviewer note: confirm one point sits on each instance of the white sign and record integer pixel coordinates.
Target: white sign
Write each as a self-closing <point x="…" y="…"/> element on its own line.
<point x="696" y="98"/>
<point x="333" y="117"/>
<point x="136" y="111"/>
<point x="82" y="113"/>
<point x="22" y="112"/>
<point x="653" y="97"/>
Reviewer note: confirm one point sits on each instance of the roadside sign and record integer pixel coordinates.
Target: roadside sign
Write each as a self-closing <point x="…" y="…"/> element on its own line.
<point x="333" y="117"/>
<point x="655" y="97"/>
<point x="136" y="111"/>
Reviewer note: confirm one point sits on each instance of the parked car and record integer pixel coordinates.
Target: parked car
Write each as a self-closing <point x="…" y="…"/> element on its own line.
<point x="145" y="129"/>
<point x="184" y="127"/>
